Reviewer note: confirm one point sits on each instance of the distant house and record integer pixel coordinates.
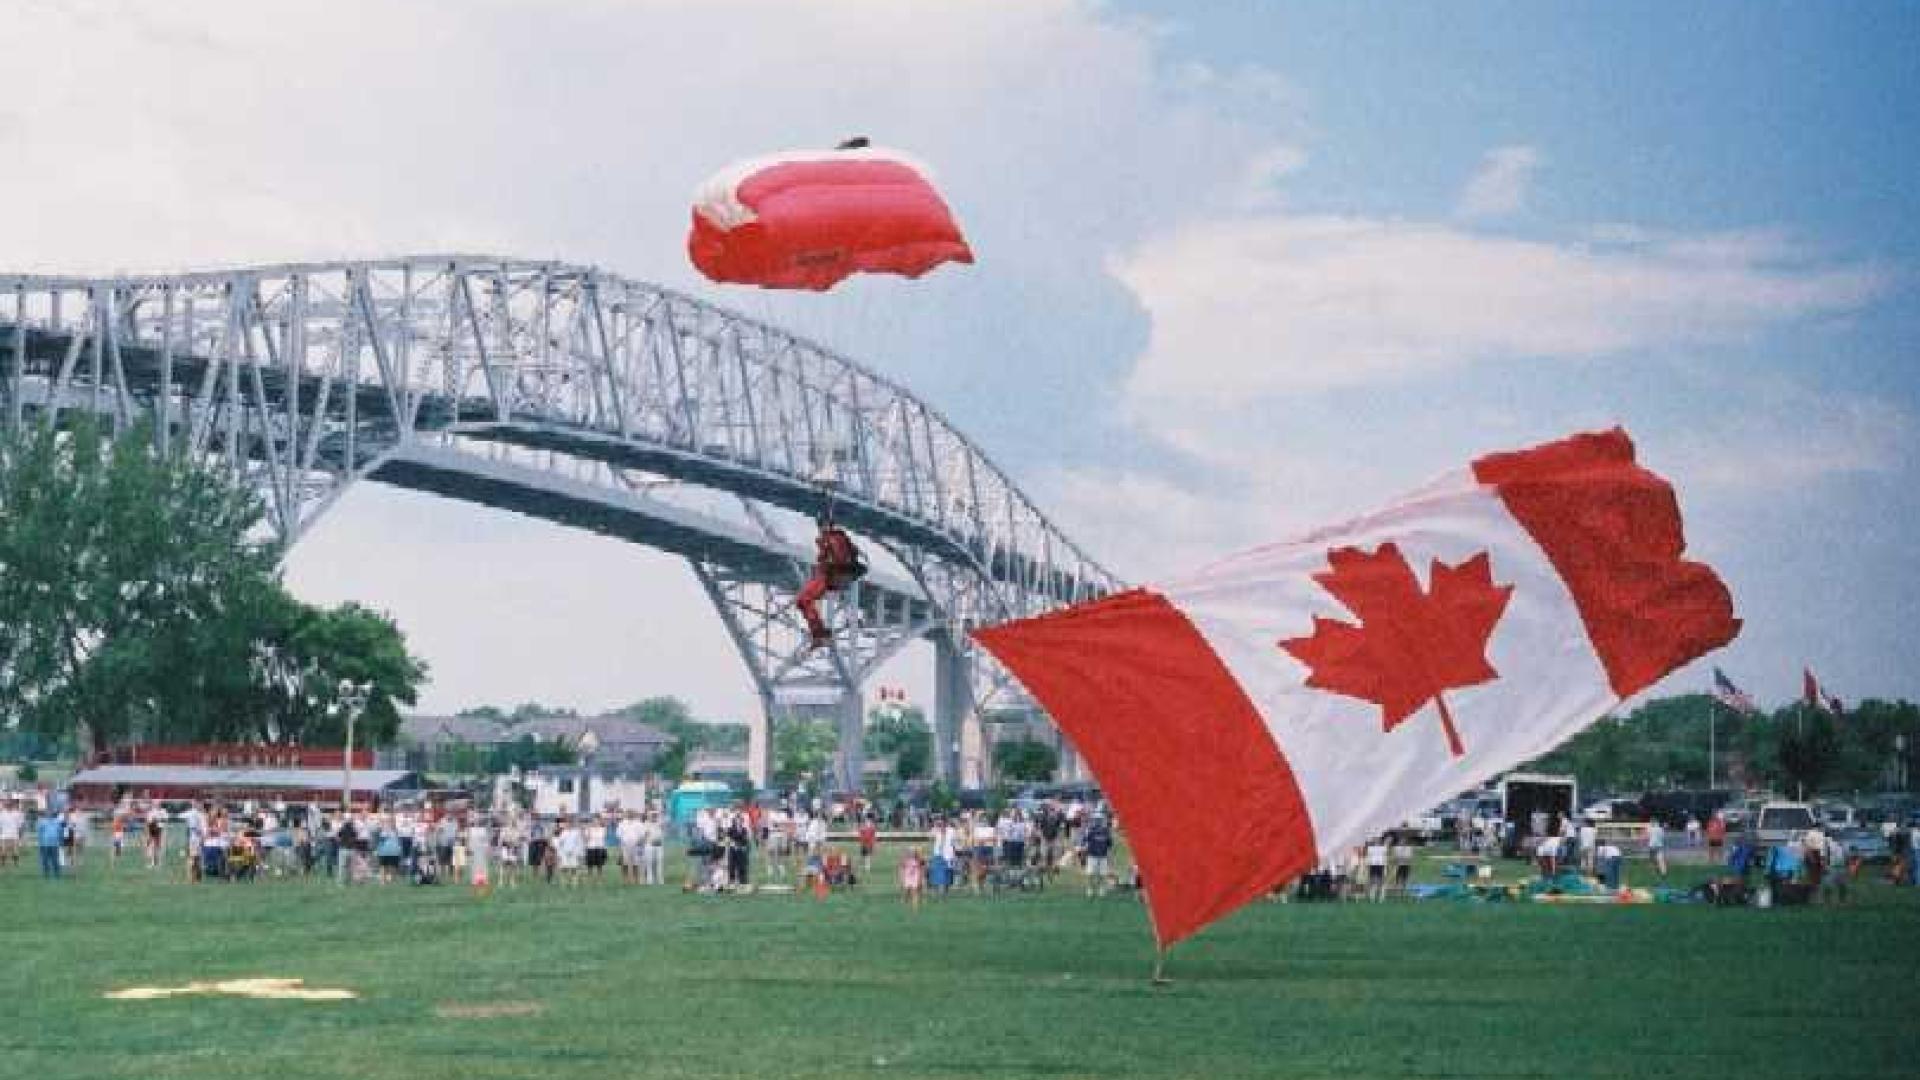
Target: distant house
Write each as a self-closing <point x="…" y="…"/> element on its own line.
<point x="555" y="791"/>
<point x="712" y="765"/>
<point x="624" y="745"/>
<point x="438" y="743"/>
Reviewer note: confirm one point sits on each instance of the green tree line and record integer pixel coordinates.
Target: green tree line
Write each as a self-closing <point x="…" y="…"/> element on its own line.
<point x="140" y="601"/>
<point x="1872" y="746"/>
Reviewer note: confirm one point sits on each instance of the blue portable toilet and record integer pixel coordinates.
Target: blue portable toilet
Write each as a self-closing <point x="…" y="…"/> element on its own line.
<point x="687" y="800"/>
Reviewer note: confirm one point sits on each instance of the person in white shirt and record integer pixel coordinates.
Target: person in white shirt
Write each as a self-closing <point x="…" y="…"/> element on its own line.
<point x="154" y="824"/>
<point x="1401" y="856"/>
<point x="628" y="832"/>
<point x="653" y="843"/>
<point x="479" y="845"/>
<point x="1376" y="856"/>
<point x="1607" y="857"/>
<point x="1657" y="847"/>
<point x="13" y="823"/>
<point x="1547" y="855"/>
<point x="1589" y="839"/>
<point x="779" y="846"/>
<point x="816" y="835"/>
<point x="570" y="849"/>
<point x="946" y="855"/>
<point x="1693" y="831"/>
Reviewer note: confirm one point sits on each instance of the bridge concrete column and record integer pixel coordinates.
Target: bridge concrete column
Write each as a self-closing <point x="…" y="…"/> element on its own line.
<point x="853" y="739"/>
<point x="760" y="742"/>
<point x="952" y="701"/>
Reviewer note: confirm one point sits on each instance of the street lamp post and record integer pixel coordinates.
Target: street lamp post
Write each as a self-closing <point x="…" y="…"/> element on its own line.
<point x="353" y="698"/>
<point x="589" y="743"/>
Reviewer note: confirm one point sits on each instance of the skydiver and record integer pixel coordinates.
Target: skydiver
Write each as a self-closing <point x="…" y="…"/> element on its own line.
<point x="837" y="563"/>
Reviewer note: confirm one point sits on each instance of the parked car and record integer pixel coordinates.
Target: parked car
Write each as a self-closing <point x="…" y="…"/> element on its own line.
<point x="1613" y="810"/>
<point x="1836" y="816"/>
<point x="1866" y="842"/>
<point x="1781" y="822"/>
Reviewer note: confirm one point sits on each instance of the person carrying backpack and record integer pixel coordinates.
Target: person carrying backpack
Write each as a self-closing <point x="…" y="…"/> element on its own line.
<point x="837" y="564"/>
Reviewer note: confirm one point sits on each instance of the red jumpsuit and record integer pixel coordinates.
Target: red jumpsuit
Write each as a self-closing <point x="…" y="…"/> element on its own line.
<point x="832" y="569"/>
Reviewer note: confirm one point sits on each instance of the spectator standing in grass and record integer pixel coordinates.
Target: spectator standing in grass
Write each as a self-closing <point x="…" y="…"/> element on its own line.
<point x="1377" y="869"/>
<point x="1693" y="831"/>
<point x="479" y="846"/>
<point x="390" y="851"/>
<point x="1402" y="856"/>
<point x="154" y="823"/>
<point x="913" y="878"/>
<point x="1021" y="841"/>
<point x="1589" y="843"/>
<point x="593" y="832"/>
<point x="653" y="850"/>
<point x="869" y="839"/>
<point x="945" y="854"/>
<point x="1097" y="841"/>
<point x="445" y="833"/>
<point x="985" y="841"/>
<point x="1546" y="855"/>
<point x="738" y="838"/>
<point x="570" y="850"/>
<point x="50" y="831"/>
<point x="13" y="825"/>
<point x="629" y="834"/>
<point x="1657" y="847"/>
<point x="816" y="835"/>
<point x="76" y="837"/>
<point x="1716" y="836"/>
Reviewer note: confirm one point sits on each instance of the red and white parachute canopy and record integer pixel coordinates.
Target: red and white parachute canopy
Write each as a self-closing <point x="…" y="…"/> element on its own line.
<point x="808" y="219"/>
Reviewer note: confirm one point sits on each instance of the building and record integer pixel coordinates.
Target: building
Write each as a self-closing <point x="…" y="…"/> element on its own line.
<point x="107" y="785"/>
<point x="554" y="791"/>
<point x="462" y="743"/>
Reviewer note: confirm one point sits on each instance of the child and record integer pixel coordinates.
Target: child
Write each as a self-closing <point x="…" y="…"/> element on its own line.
<point x="913" y="878"/>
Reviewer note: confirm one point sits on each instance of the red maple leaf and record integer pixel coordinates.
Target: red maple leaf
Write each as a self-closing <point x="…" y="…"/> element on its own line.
<point x="1409" y="646"/>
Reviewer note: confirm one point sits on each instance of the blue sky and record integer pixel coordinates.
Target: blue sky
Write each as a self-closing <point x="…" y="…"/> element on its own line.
<point x="1244" y="268"/>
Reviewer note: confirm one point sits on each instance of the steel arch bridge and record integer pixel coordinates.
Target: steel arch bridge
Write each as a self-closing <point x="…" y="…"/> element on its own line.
<point x="592" y="400"/>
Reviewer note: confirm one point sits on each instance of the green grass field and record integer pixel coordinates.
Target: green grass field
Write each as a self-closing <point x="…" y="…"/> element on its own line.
<point x="609" y="981"/>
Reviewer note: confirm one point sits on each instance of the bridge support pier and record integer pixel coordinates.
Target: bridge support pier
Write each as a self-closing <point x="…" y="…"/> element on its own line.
<point x="760" y="742"/>
<point x="853" y="735"/>
<point x="952" y="704"/>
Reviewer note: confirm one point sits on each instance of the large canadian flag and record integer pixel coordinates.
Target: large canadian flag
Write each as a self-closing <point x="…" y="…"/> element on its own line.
<point x="1284" y="704"/>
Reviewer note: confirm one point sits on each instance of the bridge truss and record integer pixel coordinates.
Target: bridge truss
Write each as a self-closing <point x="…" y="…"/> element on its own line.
<point x="588" y="399"/>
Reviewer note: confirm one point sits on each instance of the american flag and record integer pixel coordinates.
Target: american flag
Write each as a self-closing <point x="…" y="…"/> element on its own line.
<point x="1730" y="695"/>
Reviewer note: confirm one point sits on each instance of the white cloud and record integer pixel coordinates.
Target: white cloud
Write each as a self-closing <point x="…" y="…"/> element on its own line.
<point x="1256" y="306"/>
<point x="1783" y="434"/>
<point x="1500" y="187"/>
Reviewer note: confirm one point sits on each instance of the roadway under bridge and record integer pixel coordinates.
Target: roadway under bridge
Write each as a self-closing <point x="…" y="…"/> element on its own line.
<point x="591" y="400"/>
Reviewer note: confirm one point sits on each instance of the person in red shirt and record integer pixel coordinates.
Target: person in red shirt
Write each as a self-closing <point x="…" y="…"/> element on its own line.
<point x="869" y="838"/>
<point x="837" y="563"/>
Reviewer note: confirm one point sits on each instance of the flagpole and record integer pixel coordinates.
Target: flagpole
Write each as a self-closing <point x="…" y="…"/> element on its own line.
<point x="1159" y="966"/>
<point x="1712" y="713"/>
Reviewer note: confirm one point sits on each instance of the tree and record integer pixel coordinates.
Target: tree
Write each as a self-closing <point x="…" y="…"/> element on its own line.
<point x="1024" y="760"/>
<point x="109" y="553"/>
<point x="673" y="717"/>
<point x="138" y="598"/>
<point x="1809" y="748"/>
<point x="902" y="732"/>
<point x="527" y="752"/>
<point x="802" y="748"/>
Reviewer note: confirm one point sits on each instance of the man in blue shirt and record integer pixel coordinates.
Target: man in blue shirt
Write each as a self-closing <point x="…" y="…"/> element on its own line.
<point x="49" y="832"/>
